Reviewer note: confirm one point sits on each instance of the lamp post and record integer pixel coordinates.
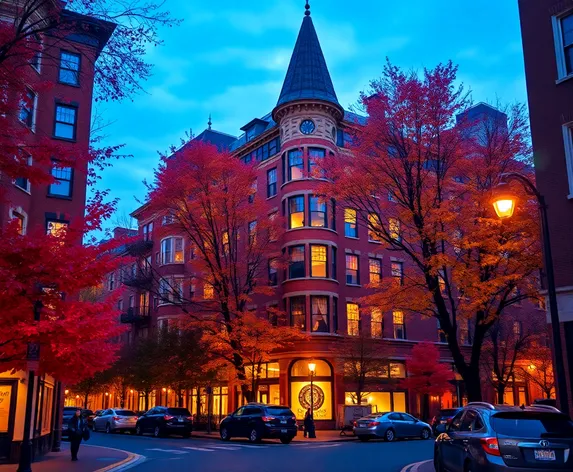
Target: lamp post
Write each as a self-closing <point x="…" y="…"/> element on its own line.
<point x="504" y="205"/>
<point x="312" y="371"/>
<point x="32" y="356"/>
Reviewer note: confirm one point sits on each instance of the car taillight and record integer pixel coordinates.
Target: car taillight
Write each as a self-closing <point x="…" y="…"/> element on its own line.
<point x="490" y="446"/>
<point x="372" y="424"/>
<point x="190" y="418"/>
<point x="293" y="418"/>
<point x="115" y="418"/>
<point x="267" y="419"/>
<point x="168" y="417"/>
<point x="354" y="423"/>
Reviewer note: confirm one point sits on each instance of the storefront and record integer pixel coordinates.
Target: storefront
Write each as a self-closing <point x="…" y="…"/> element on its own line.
<point x="319" y="393"/>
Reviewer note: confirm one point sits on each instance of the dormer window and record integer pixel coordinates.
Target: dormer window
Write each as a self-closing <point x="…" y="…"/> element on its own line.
<point x="250" y="134"/>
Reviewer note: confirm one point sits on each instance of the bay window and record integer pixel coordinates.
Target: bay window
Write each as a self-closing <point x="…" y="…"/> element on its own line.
<point x="319" y="314"/>
<point x="315" y="155"/>
<point x="296" y="264"/>
<point x="296" y="212"/>
<point x="317" y="212"/>
<point x="295" y="164"/>
<point x="298" y="312"/>
<point x="172" y="250"/>
<point x="318" y="260"/>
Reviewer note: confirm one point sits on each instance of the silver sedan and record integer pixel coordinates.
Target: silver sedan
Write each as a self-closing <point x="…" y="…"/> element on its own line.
<point x="390" y="426"/>
<point x="115" y="419"/>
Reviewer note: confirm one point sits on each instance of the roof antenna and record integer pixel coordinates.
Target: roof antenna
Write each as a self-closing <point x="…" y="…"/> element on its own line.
<point x="307" y="8"/>
<point x="209" y="122"/>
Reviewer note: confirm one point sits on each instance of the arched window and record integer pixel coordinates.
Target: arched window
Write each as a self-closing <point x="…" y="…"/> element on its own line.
<point x="301" y="369"/>
<point x="319" y="393"/>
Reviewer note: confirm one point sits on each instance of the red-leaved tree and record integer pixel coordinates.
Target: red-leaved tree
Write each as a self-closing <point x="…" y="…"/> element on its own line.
<point x="427" y="376"/>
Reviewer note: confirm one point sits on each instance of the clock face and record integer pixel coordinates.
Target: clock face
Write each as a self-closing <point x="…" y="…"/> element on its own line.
<point x="307" y="127"/>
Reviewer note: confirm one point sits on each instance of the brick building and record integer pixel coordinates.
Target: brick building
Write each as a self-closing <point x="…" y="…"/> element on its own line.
<point x="547" y="31"/>
<point x="61" y="112"/>
<point x="331" y="256"/>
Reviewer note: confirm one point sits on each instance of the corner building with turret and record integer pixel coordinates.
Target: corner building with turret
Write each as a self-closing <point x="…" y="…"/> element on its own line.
<point x="331" y="262"/>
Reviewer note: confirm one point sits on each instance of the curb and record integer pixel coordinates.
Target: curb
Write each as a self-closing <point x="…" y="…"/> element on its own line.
<point x="130" y="461"/>
<point x="415" y="467"/>
<point x="215" y="438"/>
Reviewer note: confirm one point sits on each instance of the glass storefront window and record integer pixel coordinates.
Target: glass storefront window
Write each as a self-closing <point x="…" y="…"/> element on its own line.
<point x="274" y="395"/>
<point x="399" y="401"/>
<point x="397" y="370"/>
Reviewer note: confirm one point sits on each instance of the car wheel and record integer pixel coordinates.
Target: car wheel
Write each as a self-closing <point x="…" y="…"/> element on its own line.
<point x="438" y="466"/>
<point x="390" y="435"/>
<point x="425" y="434"/>
<point x="225" y="436"/>
<point x="286" y="439"/>
<point x="363" y="438"/>
<point x="138" y="430"/>
<point x="157" y="432"/>
<point x="107" y="429"/>
<point x="254" y="436"/>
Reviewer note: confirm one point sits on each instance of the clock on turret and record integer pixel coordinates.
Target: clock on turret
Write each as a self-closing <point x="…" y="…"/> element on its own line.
<point x="307" y="127"/>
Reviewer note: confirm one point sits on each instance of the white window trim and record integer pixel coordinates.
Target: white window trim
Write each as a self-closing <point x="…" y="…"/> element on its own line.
<point x="34" y="111"/>
<point x="20" y="211"/>
<point x="28" y="188"/>
<point x="559" y="51"/>
<point x="568" y="142"/>
<point x="161" y="262"/>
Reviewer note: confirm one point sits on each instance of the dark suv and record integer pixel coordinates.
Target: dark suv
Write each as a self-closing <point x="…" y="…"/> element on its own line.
<point x="487" y="438"/>
<point x="257" y="421"/>
<point x="161" y="421"/>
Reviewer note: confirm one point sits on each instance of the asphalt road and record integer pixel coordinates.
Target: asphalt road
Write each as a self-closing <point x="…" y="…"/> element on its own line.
<point x="207" y="455"/>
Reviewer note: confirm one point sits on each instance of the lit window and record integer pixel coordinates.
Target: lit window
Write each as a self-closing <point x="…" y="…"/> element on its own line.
<point x="225" y="241"/>
<point x="295" y="165"/>
<point x="208" y="291"/>
<point x="399" y="326"/>
<point x="62" y="187"/>
<point x="373" y="227"/>
<point x="298" y="312"/>
<point x="56" y="228"/>
<point x="397" y="370"/>
<point x="315" y="155"/>
<point x="353" y="319"/>
<point x="28" y="109"/>
<point x="271" y="182"/>
<point x="398" y="272"/>
<point x="23" y="182"/>
<point x="394" y="229"/>
<point x="352" y="269"/>
<point x="376" y="323"/>
<point x="21" y="221"/>
<point x="375" y="270"/>
<point x="319" y="313"/>
<point x="296" y="262"/>
<point x="273" y="272"/>
<point x="318" y="261"/>
<point x="350" y="223"/>
<point x="296" y="212"/>
<point x="69" y="68"/>
<point x="563" y="33"/>
<point x="172" y="250"/>
<point x="317" y="212"/>
<point x="65" y="122"/>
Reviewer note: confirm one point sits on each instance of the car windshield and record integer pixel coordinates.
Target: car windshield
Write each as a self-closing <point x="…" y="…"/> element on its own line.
<point x="532" y="425"/>
<point x="448" y="412"/>
<point x="178" y="411"/>
<point x="125" y="413"/>
<point x="279" y="411"/>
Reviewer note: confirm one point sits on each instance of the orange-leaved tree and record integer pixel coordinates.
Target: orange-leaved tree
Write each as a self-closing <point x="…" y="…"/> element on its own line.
<point x="420" y="177"/>
<point x="208" y="197"/>
<point x="426" y="374"/>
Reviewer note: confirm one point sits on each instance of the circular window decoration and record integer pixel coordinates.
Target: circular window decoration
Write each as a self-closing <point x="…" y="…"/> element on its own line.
<point x="304" y="397"/>
<point x="307" y="127"/>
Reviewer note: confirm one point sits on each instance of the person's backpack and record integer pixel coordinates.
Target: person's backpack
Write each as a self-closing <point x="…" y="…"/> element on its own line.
<point x="86" y="434"/>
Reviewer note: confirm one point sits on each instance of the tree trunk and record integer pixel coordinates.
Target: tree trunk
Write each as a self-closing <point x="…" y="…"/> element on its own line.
<point x="247" y="393"/>
<point x="180" y="398"/>
<point x="472" y="383"/>
<point x="86" y="400"/>
<point x="146" y="400"/>
<point x="425" y="406"/>
<point x="500" y="393"/>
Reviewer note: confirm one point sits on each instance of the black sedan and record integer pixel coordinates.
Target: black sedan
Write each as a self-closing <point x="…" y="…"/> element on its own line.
<point x="163" y="421"/>
<point x="257" y="421"/>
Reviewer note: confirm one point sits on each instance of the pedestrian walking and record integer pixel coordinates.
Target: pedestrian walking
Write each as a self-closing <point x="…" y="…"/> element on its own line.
<point x="308" y="420"/>
<point x="76" y="426"/>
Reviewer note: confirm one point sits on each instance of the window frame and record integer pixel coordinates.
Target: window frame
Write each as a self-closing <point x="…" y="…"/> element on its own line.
<point x="371" y="273"/>
<point x="272" y="187"/>
<point x="30" y="121"/>
<point x="325" y="262"/>
<point x="315" y="199"/>
<point x="290" y="167"/>
<point x="290" y="251"/>
<point x="327" y="314"/>
<point x="348" y="224"/>
<point x="28" y="188"/>
<point x="60" y="68"/>
<point x="290" y="213"/>
<point x="379" y="323"/>
<point x="399" y="264"/>
<point x="568" y="142"/>
<point x="173" y="251"/>
<point x="74" y="125"/>
<point x="301" y="316"/>
<point x="355" y="330"/>
<point x="70" y="180"/>
<point x="347" y="257"/>
<point x="397" y="326"/>
<point x="273" y="272"/>
<point x="560" y="47"/>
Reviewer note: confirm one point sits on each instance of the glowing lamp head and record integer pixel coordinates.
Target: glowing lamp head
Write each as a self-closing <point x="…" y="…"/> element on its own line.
<point x="77" y="396"/>
<point x="66" y="391"/>
<point x="503" y="201"/>
<point x="311" y="367"/>
<point x="131" y="391"/>
<point x="107" y="394"/>
<point x="164" y="389"/>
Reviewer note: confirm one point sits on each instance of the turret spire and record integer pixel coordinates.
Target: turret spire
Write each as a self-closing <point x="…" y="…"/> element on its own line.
<point x="307" y="8"/>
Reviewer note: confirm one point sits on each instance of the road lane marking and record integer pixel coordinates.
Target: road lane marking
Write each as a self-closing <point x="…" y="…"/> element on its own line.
<point x="251" y="447"/>
<point x="321" y="446"/>
<point x="226" y="448"/>
<point x="173" y="451"/>
<point x="415" y="467"/>
<point x="203" y="449"/>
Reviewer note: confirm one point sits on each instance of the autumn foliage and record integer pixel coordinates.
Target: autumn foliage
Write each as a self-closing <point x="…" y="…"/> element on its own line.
<point x="421" y="176"/>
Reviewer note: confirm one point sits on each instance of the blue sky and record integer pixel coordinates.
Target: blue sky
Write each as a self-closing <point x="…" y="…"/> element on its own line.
<point x="229" y="58"/>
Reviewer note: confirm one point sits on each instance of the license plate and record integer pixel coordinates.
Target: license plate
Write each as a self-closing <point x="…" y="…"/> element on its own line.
<point x="283" y="431"/>
<point x="544" y="455"/>
<point x="283" y="421"/>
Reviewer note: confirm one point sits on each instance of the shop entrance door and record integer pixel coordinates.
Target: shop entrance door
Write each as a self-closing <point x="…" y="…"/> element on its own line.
<point x="7" y="411"/>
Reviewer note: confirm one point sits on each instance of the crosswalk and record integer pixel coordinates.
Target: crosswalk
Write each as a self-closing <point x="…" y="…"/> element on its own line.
<point x="238" y="446"/>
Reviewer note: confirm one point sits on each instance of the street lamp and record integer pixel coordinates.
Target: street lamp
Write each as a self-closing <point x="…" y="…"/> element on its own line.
<point x="32" y="356"/>
<point x="504" y="204"/>
<point x="312" y="372"/>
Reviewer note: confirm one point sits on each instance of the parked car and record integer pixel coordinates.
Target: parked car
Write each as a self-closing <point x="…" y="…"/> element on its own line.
<point x="115" y="420"/>
<point x="443" y="416"/>
<point x="545" y="401"/>
<point x="90" y="417"/>
<point x="390" y="426"/>
<point x="163" y="421"/>
<point x="257" y="421"/>
<point x="487" y="438"/>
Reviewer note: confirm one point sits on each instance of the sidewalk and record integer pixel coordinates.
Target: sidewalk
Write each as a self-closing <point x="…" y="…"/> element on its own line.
<point x="91" y="459"/>
<point x="321" y="436"/>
